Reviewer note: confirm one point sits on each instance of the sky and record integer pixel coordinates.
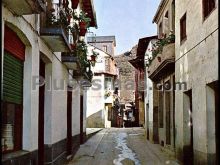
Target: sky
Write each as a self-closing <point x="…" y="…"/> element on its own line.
<point x="127" y="20"/>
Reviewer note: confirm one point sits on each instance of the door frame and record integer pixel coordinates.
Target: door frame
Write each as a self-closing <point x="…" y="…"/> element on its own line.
<point x="41" y="115"/>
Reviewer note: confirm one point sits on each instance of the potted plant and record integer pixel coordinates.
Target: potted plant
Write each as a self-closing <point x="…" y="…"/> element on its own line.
<point x="73" y="46"/>
<point x="82" y="32"/>
<point x="93" y="57"/>
<point x="84" y="20"/>
<point x="75" y="4"/>
<point x="159" y="58"/>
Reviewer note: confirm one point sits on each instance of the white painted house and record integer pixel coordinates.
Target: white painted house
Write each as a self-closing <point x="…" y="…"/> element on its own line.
<point x="41" y="124"/>
<point x="148" y="93"/>
<point x="100" y="95"/>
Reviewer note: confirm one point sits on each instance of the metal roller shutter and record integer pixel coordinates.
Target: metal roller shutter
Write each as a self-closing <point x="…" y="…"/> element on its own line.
<point x="12" y="79"/>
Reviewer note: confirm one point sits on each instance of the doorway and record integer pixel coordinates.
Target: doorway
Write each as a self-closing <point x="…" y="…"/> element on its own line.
<point x="69" y="122"/>
<point x="147" y="121"/>
<point x="212" y="104"/>
<point x="188" y="128"/>
<point x="41" y="116"/>
<point x="155" y="125"/>
<point x="167" y="104"/>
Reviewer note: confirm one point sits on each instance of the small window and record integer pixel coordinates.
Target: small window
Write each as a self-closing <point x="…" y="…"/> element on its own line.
<point x="173" y="16"/>
<point x="105" y="48"/>
<point x="108" y="83"/>
<point x="183" y="28"/>
<point x="208" y="7"/>
<point x="167" y="15"/>
<point x="160" y="30"/>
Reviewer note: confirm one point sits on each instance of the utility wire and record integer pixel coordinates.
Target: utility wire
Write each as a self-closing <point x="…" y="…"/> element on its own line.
<point x="196" y="45"/>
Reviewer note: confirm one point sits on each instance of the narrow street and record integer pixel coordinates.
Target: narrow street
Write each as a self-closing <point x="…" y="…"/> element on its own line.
<point x="119" y="146"/>
<point x="110" y="82"/>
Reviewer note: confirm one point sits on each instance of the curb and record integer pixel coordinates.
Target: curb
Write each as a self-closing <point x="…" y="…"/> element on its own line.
<point x="92" y="134"/>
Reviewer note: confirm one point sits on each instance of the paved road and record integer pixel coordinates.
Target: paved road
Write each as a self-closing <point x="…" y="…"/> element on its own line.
<point x="121" y="146"/>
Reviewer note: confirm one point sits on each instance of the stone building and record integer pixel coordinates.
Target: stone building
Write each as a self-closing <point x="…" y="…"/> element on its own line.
<point x="100" y="98"/>
<point x="127" y="80"/>
<point x="41" y="123"/>
<point x="126" y="75"/>
<point x="148" y="94"/>
<point x="161" y="70"/>
<point x="105" y="43"/>
<point x="196" y="63"/>
<point x="139" y="65"/>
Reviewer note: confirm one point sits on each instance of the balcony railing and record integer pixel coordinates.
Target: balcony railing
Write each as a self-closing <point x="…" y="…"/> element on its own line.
<point x="24" y="7"/>
<point x="53" y="28"/>
<point x="163" y="63"/>
<point x="72" y="62"/>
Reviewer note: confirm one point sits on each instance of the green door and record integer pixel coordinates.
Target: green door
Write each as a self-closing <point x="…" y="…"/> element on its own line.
<point x="12" y="79"/>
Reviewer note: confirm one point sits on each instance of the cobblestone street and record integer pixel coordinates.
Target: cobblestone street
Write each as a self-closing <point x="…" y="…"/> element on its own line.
<point x="118" y="146"/>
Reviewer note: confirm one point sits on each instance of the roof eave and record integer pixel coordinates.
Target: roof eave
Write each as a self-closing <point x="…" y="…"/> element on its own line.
<point x="159" y="9"/>
<point x="92" y="9"/>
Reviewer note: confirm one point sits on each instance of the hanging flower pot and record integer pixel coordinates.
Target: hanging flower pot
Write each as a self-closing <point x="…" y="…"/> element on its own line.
<point x="93" y="57"/>
<point x="75" y="4"/>
<point x="93" y="60"/>
<point x="52" y="10"/>
<point x="82" y="32"/>
<point x="73" y="46"/>
<point x="82" y="25"/>
<point x="159" y="58"/>
<point x="69" y="18"/>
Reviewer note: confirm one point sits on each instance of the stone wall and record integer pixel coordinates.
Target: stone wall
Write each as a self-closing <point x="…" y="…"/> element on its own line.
<point x="197" y="68"/>
<point x="126" y="76"/>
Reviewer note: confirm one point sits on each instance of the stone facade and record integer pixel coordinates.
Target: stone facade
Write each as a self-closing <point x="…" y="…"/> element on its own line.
<point x="160" y="71"/>
<point x="105" y="43"/>
<point x="197" y="65"/>
<point x="126" y="76"/>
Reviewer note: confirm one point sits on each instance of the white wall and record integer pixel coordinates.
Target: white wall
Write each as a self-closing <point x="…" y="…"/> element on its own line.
<point x="59" y="108"/>
<point x="76" y="111"/>
<point x="149" y="93"/>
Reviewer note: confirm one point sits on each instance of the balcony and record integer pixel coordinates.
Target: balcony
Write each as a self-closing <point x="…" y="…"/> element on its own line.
<point x="53" y="30"/>
<point x="25" y="7"/>
<point x="163" y="63"/>
<point x="72" y="62"/>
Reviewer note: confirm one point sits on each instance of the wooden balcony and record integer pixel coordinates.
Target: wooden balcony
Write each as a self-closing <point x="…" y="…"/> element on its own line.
<point x="163" y="63"/>
<point x="72" y="62"/>
<point x="25" y="7"/>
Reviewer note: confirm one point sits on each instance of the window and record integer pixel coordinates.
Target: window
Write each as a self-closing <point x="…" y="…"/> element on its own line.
<point x="183" y="28"/>
<point x="208" y="7"/>
<point x="105" y="48"/>
<point x="173" y="16"/>
<point x="160" y="30"/>
<point x="166" y="24"/>
<point x="108" y="83"/>
<point x="107" y="65"/>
